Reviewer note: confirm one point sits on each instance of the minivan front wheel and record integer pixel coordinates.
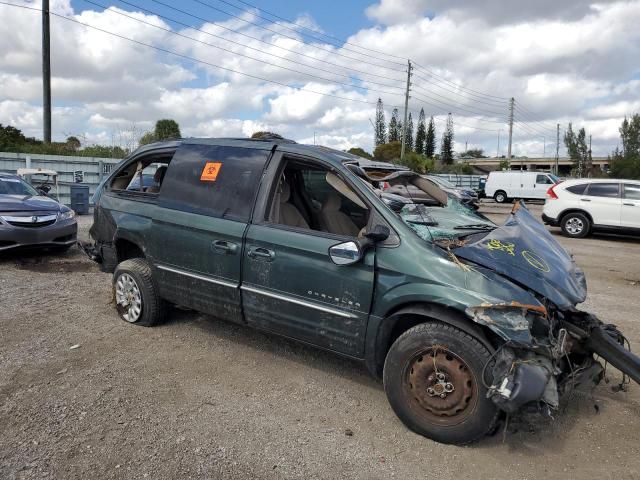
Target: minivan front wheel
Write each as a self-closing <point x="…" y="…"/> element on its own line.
<point x="432" y="378"/>
<point x="135" y="293"/>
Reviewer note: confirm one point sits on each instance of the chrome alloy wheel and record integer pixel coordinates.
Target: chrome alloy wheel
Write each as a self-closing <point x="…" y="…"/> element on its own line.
<point x="128" y="298"/>
<point x="574" y="226"/>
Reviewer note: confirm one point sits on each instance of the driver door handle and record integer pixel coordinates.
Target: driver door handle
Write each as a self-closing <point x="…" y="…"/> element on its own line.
<point x="629" y="204"/>
<point x="260" y="253"/>
<point x="585" y="200"/>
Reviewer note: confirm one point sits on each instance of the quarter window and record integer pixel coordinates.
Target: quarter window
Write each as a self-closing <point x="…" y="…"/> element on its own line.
<point x="577" y="189"/>
<point x="214" y="180"/>
<point x="611" y="190"/>
<point x="632" y="191"/>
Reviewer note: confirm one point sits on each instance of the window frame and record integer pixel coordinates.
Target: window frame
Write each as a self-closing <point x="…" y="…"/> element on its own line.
<point x="587" y="192"/>
<point x="270" y="184"/>
<point x="136" y="194"/>
<point x="624" y="191"/>
<point x="584" y="185"/>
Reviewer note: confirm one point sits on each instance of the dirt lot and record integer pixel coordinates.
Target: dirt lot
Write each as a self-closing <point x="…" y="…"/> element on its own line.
<point x="200" y="398"/>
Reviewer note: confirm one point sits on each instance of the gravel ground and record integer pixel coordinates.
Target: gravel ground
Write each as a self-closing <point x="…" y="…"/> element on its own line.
<point x="200" y="398"/>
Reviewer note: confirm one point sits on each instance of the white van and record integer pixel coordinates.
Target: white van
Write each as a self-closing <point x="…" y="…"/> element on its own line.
<point x="506" y="185"/>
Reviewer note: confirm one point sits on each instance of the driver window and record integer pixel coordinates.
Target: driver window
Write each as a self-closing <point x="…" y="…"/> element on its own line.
<point x="543" y="179"/>
<point x="311" y="197"/>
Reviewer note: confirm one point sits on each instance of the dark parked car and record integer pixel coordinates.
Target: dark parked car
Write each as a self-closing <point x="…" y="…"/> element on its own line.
<point x="466" y="196"/>
<point x="464" y="321"/>
<point x="29" y="218"/>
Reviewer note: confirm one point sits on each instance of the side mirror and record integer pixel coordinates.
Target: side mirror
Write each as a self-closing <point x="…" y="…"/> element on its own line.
<point x="379" y="233"/>
<point x="44" y="189"/>
<point x="346" y="253"/>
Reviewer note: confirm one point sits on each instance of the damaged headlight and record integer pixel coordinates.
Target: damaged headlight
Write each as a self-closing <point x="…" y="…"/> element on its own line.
<point x="512" y="321"/>
<point x="66" y="215"/>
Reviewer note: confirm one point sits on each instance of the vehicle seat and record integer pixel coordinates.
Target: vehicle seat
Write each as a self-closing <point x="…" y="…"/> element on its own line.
<point x="288" y="214"/>
<point x="158" y="177"/>
<point x="335" y="221"/>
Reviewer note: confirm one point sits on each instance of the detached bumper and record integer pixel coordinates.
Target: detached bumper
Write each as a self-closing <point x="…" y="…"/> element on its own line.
<point x="59" y="234"/>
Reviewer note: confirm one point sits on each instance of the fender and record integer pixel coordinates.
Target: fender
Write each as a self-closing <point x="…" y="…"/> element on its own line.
<point x="380" y="330"/>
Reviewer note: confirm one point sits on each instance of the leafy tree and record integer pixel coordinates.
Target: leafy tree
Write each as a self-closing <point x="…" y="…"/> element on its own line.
<point x="395" y="126"/>
<point x="421" y="133"/>
<point x="417" y="162"/>
<point x="626" y="163"/>
<point x="430" y="140"/>
<point x="147" y="138"/>
<point x="10" y="137"/>
<point x="167" y="129"/>
<point x="388" y="152"/>
<point x="408" y="135"/>
<point x="577" y="149"/>
<point x="73" y="143"/>
<point x="474" y="153"/>
<point x="380" y="127"/>
<point x="504" y="164"/>
<point x="446" y="147"/>
<point x="360" y="152"/>
<point x="266" y="135"/>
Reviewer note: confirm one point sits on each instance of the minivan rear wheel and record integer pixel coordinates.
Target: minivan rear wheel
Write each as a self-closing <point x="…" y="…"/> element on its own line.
<point x="500" y="196"/>
<point x="136" y="296"/>
<point x="432" y="378"/>
<point x="575" y="224"/>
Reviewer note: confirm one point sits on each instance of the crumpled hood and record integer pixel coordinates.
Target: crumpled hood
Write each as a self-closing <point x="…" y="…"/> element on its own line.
<point x="15" y="203"/>
<point x="523" y="250"/>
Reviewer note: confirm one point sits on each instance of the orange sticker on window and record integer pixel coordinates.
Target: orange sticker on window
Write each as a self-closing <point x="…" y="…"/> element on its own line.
<point x="210" y="171"/>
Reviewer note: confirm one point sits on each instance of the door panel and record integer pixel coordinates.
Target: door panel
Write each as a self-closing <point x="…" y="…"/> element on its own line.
<point x="603" y="203"/>
<point x="630" y="212"/>
<point x="294" y="289"/>
<point x="541" y="185"/>
<point x="197" y="261"/>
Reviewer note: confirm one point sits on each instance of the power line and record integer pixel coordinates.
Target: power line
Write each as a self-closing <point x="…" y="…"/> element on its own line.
<point x="437" y="119"/>
<point x="297" y="39"/>
<point x="318" y="32"/>
<point x="428" y="93"/>
<point x="315" y="59"/>
<point x="531" y="120"/>
<point x="231" y="51"/>
<point x="462" y="87"/>
<point x="458" y="108"/>
<point x="490" y="102"/>
<point x="193" y="59"/>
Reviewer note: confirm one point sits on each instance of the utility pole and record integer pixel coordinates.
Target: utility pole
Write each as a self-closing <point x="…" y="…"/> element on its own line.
<point x="46" y="73"/>
<point x="544" y="147"/>
<point x="511" y="105"/>
<point x="589" y="159"/>
<point x="557" y="149"/>
<point x="498" y="149"/>
<point x="406" y="110"/>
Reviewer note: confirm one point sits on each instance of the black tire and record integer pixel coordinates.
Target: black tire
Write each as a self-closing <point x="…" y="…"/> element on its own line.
<point x="575" y="225"/>
<point x="468" y="414"/>
<point x="152" y="307"/>
<point x="500" y="197"/>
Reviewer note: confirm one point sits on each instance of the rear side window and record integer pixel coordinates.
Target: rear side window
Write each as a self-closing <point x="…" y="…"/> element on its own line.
<point x="218" y="181"/>
<point x="632" y="191"/>
<point x="577" y="189"/>
<point x="603" y="190"/>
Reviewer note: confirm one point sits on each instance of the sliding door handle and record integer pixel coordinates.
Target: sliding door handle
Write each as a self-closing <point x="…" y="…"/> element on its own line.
<point x="222" y="246"/>
<point x="629" y="204"/>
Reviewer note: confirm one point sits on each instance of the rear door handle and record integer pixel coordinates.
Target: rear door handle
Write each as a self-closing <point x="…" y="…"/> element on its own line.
<point x="260" y="253"/>
<point x="585" y="200"/>
<point x="629" y="204"/>
<point x="222" y="246"/>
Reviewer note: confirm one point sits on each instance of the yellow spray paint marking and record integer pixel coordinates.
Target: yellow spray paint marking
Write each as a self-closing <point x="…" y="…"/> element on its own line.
<point x="495" y="244"/>
<point x="535" y="261"/>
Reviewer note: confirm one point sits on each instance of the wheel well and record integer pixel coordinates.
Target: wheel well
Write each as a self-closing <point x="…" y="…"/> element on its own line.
<point x="575" y="210"/>
<point x="404" y="318"/>
<point x="126" y="249"/>
<point x="500" y="191"/>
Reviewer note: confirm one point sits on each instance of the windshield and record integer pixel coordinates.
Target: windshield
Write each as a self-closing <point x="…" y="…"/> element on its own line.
<point x="442" y="182"/>
<point x="554" y="178"/>
<point x="16" y="186"/>
<point x="444" y="223"/>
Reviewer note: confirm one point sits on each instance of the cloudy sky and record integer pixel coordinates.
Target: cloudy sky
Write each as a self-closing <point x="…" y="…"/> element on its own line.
<point x="230" y="67"/>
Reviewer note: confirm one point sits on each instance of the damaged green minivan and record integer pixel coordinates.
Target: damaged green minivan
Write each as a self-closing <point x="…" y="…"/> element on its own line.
<point x="463" y="320"/>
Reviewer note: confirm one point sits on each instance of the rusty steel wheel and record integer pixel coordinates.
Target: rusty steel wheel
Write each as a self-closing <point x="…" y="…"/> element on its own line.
<point x="432" y="380"/>
<point x="441" y="386"/>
